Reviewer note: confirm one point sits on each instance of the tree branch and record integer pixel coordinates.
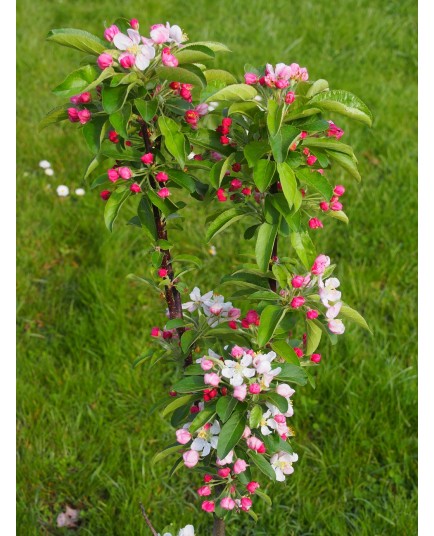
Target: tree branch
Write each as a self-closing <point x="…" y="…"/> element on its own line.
<point x="142" y="508"/>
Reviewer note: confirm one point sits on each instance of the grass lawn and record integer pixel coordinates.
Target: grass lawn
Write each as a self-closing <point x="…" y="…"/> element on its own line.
<point x="85" y="435"/>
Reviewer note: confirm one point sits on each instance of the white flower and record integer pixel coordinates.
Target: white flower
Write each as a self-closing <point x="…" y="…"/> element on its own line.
<point x="268" y="377"/>
<point x="236" y="371"/>
<point x="188" y="530"/>
<point x="207" y="438"/>
<point x="175" y="34"/>
<point x="62" y="190"/>
<point x="191" y="156"/>
<point x="282" y="464"/>
<point x="258" y="98"/>
<point x="266" y="423"/>
<point x="226" y="460"/>
<point x="49" y="172"/>
<point x="276" y="411"/>
<point x="262" y="362"/>
<point x="328" y="292"/>
<point x="79" y="191"/>
<point x="212" y="251"/>
<point x="197" y="300"/>
<point x="336" y="326"/>
<point x="333" y="311"/>
<point x="131" y="43"/>
<point x="44" y="164"/>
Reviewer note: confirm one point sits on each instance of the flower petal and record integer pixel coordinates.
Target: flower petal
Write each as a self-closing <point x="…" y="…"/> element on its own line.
<point x="122" y="41"/>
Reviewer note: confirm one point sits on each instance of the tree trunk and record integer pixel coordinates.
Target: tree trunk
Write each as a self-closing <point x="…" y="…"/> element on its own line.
<point x="219" y="527"/>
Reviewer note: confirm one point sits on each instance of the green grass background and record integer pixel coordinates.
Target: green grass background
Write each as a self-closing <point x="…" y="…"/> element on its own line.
<point x="85" y="436"/>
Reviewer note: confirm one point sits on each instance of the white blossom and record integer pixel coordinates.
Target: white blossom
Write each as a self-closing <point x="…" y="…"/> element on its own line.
<point x="236" y="371"/>
<point x="62" y="191"/>
<point x="79" y="191"/>
<point x="207" y="438"/>
<point x="44" y="164"/>
<point x="282" y="462"/>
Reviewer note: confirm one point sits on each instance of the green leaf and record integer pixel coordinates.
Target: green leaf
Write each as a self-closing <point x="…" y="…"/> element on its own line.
<point x="78" y="39"/>
<point x="219" y="169"/>
<point x="209" y="140"/>
<point x="344" y="103"/>
<point x="114" y="204"/>
<point x="262" y="464"/>
<point x="255" y="416"/>
<point x="264" y="295"/>
<point x="271" y="317"/>
<point x="190" y="383"/>
<point x="218" y="75"/>
<point x="93" y="132"/>
<point x="277" y="400"/>
<point x="120" y="119"/>
<point x="204" y="416"/>
<point x="215" y="46"/>
<point x="173" y="139"/>
<point x="113" y="98"/>
<point x="352" y="314"/>
<point x="281" y="142"/>
<point x="314" y="333"/>
<point x="345" y="162"/>
<point x="234" y="93"/>
<point x="231" y="433"/>
<point x="246" y="108"/>
<point x="274" y="117"/>
<point x="164" y="453"/>
<point x="55" y="115"/>
<point x="225" y="407"/>
<point x="166" y="206"/>
<point x="76" y="82"/>
<point x="264" y="244"/>
<point x="285" y="351"/>
<point x="146" y="217"/>
<point x="114" y="150"/>
<point x="194" y="54"/>
<point x="316" y="181"/>
<point x="330" y="143"/>
<point x="292" y="373"/>
<point x="281" y="274"/>
<point x="146" y="108"/>
<point x="188" y="259"/>
<point x="304" y="248"/>
<point x="288" y="182"/>
<point x="102" y="179"/>
<point x="339" y="215"/>
<point x="187" y="339"/>
<point x="187" y="74"/>
<point x="142" y="358"/>
<point x="226" y="218"/>
<point x="177" y="403"/>
<point x="254" y="150"/>
<point x="175" y="323"/>
<point x="264" y="497"/>
<point x="182" y="179"/>
<point x="263" y="173"/>
<point x="317" y="87"/>
<point x="122" y="78"/>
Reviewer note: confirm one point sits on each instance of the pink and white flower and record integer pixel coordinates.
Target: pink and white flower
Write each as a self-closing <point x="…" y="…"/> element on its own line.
<point x="207" y="438"/>
<point x="282" y="462"/>
<point x="132" y="45"/>
<point x="336" y="326"/>
<point x="328" y="292"/>
<point x="236" y="371"/>
<point x="197" y="300"/>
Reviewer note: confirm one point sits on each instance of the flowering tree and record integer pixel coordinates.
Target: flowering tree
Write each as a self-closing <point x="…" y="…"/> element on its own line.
<point x="163" y="126"/>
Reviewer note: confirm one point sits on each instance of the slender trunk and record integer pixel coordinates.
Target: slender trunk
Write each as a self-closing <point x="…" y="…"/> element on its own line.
<point x="272" y="282"/>
<point x="219" y="527"/>
<point x="171" y="293"/>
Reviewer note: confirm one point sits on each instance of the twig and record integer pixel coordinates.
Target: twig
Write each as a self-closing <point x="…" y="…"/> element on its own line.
<point x="148" y="522"/>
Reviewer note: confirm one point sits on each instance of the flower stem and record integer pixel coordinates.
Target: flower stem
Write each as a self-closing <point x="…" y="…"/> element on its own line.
<point x="272" y="282"/>
<point x="219" y="527"/>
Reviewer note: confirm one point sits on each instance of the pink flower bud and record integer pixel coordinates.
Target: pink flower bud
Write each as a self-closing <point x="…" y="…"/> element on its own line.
<point x="113" y="136"/>
<point x="125" y="172"/>
<point x="168" y="59"/>
<point x="252" y="486"/>
<point x="336" y="206"/>
<point x="279" y="418"/>
<point x="104" y="60"/>
<point x="204" y="491"/>
<point x="155" y="332"/>
<point x="224" y="473"/>
<point x="208" y="506"/>
<point x="324" y="206"/>
<point x="297" y="302"/>
<point x="339" y="190"/>
<point x="207" y="478"/>
<point x="73" y="115"/>
<point x="252" y="317"/>
<point x="303" y="134"/>
<point x="110" y="32"/>
<point x="255" y="443"/>
<point x="216" y="309"/>
<point x="85" y="97"/>
<point x="183" y="436"/>
<point x="297" y="281"/>
<point x="298" y="352"/>
<point x="237" y="352"/>
<point x="310" y="160"/>
<point x="336" y="326"/>
<point x="240" y="392"/>
<point x="164" y="192"/>
<point x="161" y="177"/>
<point x="201" y="109"/>
<point x="281" y="84"/>
<point x="290" y="97"/>
<point x="234" y="313"/>
<point x="320" y="264"/>
<point x="227" y="503"/>
<point x="159" y="34"/>
<point x="239" y="466"/>
<point x="113" y="175"/>
<point x="255" y="389"/>
<point x="185" y="94"/>
<point x="192" y="117"/>
<point x="84" y="116"/>
<point x="315" y="358"/>
<point x="315" y="223"/>
<point x="162" y="272"/>
<point x="127" y="60"/>
<point x="224" y="140"/>
<point x="191" y="457"/>
<point x="135" y="188"/>
<point x="221" y="195"/>
<point x="246" y="503"/>
<point x="147" y="158"/>
<point x="105" y="194"/>
<point x="206" y="364"/>
<point x="285" y="390"/>
<point x="311" y="314"/>
<point x="247" y="433"/>
<point x="236" y="184"/>
<point x="251" y="78"/>
<point x="134" y="23"/>
<point x="211" y="379"/>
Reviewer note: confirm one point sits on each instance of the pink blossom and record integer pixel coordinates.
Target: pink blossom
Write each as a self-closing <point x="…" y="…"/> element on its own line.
<point x="161" y="177"/>
<point x="183" y="436"/>
<point x="320" y="264"/>
<point x="112" y="174"/>
<point x="208" y="506"/>
<point x="221" y="195"/>
<point x="240" y="392"/>
<point x="236" y="184"/>
<point x="125" y="172"/>
<point x="155" y="332"/>
<point x="204" y="491"/>
<point x="251" y="78"/>
<point x="252" y="486"/>
<point x="127" y="60"/>
<point x="192" y="117"/>
<point x="159" y="34"/>
<point x="246" y="503"/>
<point x="206" y="364"/>
<point x="336" y="326"/>
<point x="255" y="443"/>
<point x="310" y="160"/>
<point x="162" y="272"/>
<point x="234" y="313"/>
<point x="324" y="206"/>
<point x="239" y="466"/>
<point x="104" y="60"/>
<point x="147" y="158"/>
<point x="168" y="59"/>
<point x="110" y="32"/>
<point x="227" y="503"/>
<point x="226" y="460"/>
<point x="290" y="97"/>
<point x="135" y="188"/>
<point x="252" y="317"/>
<point x="315" y="223"/>
<point x="201" y="109"/>
<point x="315" y="358"/>
<point x="134" y="23"/>
<point x="282" y="84"/>
<point x="224" y="473"/>
<point x="164" y="192"/>
<point x="297" y="281"/>
<point x="334" y="131"/>
<point x="336" y="205"/>
<point x="247" y="433"/>
<point x="84" y="116"/>
<point x="73" y="115"/>
<point x="211" y="379"/>
<point x="237" y="352"/>
<point x="105" y="195"/>
<point x="255" y="389"/>
<point x="191" y="457"/>
<point x="297" y="302"/>
<point x="285" y="390"/>
<point x="279" y="418"/>
<point x="312" y="314"/>
<point x="207" y="478"/>
<point x="339" y="190"/>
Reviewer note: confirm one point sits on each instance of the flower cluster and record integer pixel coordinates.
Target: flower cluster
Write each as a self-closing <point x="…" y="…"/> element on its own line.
<point x="213" y="306"/>
<point x="280" y="77"/>
<point x="80" y="114"/>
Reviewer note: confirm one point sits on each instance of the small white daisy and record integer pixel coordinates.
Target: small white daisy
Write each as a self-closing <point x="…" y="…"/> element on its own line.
<point x="79" y="191"/>
<point x="49" y="172"/>
<point x="62" y="191"/>
<point x="44" y="164"/>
